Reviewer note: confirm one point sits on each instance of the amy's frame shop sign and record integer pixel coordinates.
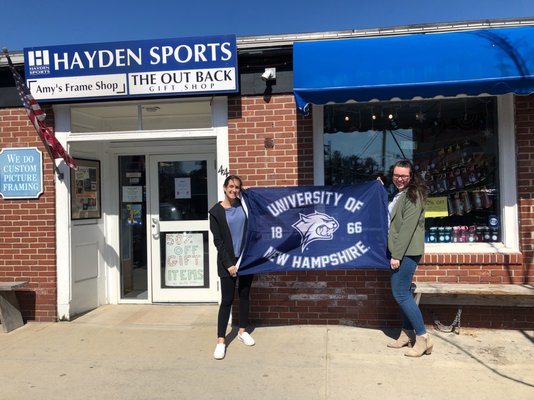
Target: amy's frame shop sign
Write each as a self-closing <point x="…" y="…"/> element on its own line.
<point x="85" y="190"/>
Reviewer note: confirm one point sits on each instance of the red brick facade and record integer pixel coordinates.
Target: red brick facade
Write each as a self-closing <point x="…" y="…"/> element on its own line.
<point x="28" y="247"/>
<point x="525" y="181"/>
<point x="271" y="145"/>
<point x="362" y="297"/>
<point x="252" y="121"/>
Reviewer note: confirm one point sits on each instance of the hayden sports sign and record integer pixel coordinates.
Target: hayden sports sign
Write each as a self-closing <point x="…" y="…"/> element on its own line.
<point x="139" y="68"/>
<point x="315" y="228"/>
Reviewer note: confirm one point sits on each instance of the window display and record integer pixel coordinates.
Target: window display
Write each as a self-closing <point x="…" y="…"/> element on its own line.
<point x="452" y="143"/>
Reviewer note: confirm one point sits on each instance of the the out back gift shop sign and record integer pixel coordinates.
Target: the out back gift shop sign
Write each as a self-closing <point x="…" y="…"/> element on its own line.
<point x="196" y="65"/>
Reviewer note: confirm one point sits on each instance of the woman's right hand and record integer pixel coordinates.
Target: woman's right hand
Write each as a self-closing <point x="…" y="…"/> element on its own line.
<point x="232" y="270"/>
<point x="394" y="263"/>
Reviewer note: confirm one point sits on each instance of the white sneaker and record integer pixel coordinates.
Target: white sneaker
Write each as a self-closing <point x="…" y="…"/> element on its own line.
<point x="246" y="339"/>
<point x="219" y="352"/>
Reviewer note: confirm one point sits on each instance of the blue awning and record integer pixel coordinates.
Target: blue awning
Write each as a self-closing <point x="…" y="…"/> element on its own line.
<point x="488" y="61"/>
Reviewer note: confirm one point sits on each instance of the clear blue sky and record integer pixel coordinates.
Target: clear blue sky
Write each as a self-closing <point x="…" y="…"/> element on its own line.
<point x="58" y="22"/>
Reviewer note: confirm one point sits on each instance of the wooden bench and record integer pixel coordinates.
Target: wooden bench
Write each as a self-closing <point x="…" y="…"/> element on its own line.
<point x="479" y="294"/>
<point x="10" y="316"/>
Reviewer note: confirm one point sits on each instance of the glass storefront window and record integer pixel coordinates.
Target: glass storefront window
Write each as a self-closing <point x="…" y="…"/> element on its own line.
<point x="184" y="115"/>
<point x="452" y="143"/>
<point x="112" y="117"/>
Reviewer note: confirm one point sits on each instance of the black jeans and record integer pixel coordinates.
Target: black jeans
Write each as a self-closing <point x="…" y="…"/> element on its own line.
<point x="227" y="290"/>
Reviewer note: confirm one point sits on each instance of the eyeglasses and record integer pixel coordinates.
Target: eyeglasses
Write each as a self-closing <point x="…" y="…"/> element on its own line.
<point x="395" y="176"/>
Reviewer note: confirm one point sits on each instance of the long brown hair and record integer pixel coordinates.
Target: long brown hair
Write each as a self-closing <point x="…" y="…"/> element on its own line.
<point x="417" y="186"/>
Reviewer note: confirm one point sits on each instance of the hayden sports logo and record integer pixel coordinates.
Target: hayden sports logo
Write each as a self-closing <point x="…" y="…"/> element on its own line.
<point x="315" y="227"/>
<point x="39" y="62"/>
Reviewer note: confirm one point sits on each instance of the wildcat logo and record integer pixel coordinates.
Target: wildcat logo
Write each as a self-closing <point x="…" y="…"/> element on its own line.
<point x="316" y="226"/>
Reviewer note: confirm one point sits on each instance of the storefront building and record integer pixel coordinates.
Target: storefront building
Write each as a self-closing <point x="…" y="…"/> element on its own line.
<point x="305" y="109"/>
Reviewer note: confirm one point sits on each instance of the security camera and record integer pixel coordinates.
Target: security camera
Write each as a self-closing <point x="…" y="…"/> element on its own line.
<point x="270" y="73"/>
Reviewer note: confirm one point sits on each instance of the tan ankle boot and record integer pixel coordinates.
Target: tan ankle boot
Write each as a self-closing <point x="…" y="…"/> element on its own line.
<point x="406" y="338"/>
<point x="422" y="346"/>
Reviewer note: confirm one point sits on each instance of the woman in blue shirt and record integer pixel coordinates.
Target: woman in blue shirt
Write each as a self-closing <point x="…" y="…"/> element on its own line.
<point x="228" y="224"/>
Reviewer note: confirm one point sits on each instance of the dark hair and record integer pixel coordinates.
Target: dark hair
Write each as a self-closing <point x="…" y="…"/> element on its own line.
<point x="231" y="178"/>
<point x="417" y="186"/>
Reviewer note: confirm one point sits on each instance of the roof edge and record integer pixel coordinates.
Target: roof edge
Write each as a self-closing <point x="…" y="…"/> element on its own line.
<point x="266" y="41"/>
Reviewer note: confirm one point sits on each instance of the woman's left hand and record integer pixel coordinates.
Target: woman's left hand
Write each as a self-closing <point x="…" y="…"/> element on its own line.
<point x="394" y="263"/>
<point x="232" y="271"/>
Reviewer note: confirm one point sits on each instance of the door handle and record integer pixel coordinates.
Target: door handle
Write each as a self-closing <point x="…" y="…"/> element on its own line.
<point x="155" y="228"/>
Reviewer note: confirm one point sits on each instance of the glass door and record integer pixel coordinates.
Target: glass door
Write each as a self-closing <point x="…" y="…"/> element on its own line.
<point x="183" y="187"/>
<point x="133" y="227"/>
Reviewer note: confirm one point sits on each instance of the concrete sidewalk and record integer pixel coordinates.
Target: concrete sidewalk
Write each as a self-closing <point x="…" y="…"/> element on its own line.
<point x="165" y="352"/>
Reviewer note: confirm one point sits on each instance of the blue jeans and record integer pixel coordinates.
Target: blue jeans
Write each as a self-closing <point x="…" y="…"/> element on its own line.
<point x="401" y="281"/>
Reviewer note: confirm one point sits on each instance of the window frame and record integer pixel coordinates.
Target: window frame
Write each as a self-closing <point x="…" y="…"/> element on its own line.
<point x="508" y="187"/>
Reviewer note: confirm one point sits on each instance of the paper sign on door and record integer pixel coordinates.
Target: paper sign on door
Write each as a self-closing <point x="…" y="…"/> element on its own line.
<point x="182" y="188"/>
<point x="184" y="259"/>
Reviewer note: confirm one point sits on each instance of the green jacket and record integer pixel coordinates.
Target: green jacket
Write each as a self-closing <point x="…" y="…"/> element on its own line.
<point x="407" y="228"/>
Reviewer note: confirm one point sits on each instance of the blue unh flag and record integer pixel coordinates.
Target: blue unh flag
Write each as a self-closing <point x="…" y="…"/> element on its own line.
<point x="315" y="228"/>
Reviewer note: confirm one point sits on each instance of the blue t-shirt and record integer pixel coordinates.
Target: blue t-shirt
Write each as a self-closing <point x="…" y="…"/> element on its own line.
<point x="235" y="216"/>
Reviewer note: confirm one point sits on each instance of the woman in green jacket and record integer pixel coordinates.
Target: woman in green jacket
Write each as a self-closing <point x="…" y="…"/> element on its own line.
<point x="406" y="247"/>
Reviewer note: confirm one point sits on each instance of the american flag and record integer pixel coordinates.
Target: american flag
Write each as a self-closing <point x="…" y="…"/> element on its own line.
<point x="37" y="117"/>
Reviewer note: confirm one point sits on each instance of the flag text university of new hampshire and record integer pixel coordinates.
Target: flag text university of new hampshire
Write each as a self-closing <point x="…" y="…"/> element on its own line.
<point x="315" y="228"/>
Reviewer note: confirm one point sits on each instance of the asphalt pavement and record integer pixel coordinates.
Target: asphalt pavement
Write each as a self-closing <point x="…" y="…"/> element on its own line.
<point x="166" y="352"/>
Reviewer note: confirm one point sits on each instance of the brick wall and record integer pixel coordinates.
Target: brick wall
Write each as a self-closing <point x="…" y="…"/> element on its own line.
<point x="525" y="178"/>
<point x="27" y="228"/>
<point x="363" y="297"/>
<point x="254" y="120"/>
<point x="471" y="268"/>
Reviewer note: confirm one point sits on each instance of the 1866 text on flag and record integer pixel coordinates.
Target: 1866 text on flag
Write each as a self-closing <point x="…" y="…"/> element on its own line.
<point x="315" y="228"/>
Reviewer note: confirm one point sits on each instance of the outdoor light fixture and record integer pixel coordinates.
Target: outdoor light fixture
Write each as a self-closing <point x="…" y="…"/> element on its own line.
<point x="269" y="74"/>
<point x="151" y="109"/>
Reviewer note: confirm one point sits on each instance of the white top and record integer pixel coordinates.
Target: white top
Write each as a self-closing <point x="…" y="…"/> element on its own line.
<point x="391" y="206"/>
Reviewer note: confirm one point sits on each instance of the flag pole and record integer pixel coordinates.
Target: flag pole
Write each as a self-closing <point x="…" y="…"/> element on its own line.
<point x="37" y="117"/>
